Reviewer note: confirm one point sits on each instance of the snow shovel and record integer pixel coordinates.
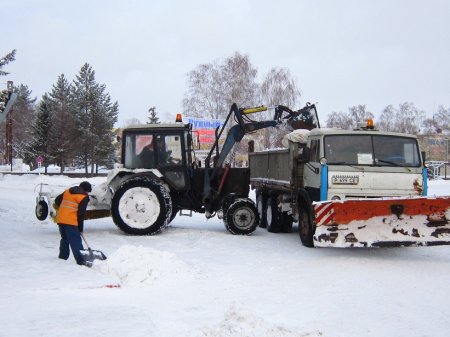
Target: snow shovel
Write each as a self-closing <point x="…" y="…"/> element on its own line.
<point x="90" y="255"/>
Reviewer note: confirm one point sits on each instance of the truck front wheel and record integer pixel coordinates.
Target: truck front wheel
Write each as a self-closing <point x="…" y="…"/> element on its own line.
<point x="241" y="217"/>
<point x="305" y="228"/>
<point x="141" y="206"/>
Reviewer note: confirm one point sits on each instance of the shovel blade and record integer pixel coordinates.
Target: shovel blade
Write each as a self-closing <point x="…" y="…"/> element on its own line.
<point x="91" y="255"/>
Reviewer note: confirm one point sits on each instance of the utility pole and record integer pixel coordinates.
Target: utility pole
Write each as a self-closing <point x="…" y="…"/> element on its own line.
<point x="9" y="129"/>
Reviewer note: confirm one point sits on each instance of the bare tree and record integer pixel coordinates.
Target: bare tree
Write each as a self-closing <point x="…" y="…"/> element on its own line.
<point x="239" y="75"/>
<point x="340" y="120"/>
<point x="442" y="119"/>
<point x="387" y="119"/>
<point x="406" y="119"/>
<point x="131" y="121"/>
<point x="430" y="127"/>
<point x="357" y="113"/>
<point x="409" y="118"/>
<point x="213" y="87"/>
<point x="277" y="88"/>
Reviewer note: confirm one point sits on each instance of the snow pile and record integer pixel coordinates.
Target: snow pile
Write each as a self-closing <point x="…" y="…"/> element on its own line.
<point x="296" y="136"/>
<point x="141" y="266"/>
<point x="240" y="322"/>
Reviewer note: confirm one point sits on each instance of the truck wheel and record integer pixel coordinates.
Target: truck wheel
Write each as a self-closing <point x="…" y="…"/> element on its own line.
<point x="273" y="215"/>
<point x="41" y="210"/>
<point x="261" y="201"/>
<point x="141" y="206"/>
<point x="286" y="222"/>
<point x="242" y="217"/>
<point x="305" y="228"/>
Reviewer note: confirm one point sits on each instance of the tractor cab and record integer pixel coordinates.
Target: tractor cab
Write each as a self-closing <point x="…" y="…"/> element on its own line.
<point x="161" y="148"/>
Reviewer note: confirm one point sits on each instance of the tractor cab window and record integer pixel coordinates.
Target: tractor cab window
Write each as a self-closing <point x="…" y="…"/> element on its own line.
<point x="169" y="150"/>
<point x="161" y="150"/>
<point x="139" y="151"/>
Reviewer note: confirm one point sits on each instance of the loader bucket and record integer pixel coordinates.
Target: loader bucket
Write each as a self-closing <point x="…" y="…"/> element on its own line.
<point x="393" y="222"/>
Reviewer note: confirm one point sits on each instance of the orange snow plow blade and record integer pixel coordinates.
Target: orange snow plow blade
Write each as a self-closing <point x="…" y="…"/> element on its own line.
<point x="421" y="221"/>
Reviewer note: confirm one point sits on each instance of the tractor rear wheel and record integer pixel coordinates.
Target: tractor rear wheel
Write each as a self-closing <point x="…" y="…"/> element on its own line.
<point x="141" y="206"/>
<point x="241" y="217"/>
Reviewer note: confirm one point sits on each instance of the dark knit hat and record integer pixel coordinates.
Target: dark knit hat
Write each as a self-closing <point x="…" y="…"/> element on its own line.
<point x="86" y="186"/>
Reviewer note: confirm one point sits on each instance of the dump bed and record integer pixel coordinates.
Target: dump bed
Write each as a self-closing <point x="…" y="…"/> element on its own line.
<point x="280" y="168"/>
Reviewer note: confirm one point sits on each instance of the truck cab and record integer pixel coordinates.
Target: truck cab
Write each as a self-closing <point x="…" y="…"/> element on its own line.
<point x="363" y="164"/>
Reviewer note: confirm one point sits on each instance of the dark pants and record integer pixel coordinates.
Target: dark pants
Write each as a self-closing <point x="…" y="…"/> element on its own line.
<point x="70" y="236"/>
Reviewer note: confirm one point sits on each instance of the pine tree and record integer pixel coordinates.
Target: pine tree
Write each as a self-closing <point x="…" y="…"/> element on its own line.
<point x="39" y="135"/>
<point x="153" y="118"/>
<point x="5" y="60"/>
<point x="62" y="133"/>
<point x="24" y="111"/>
<point x="94" y="116"/>
<point x="104" y="120"/>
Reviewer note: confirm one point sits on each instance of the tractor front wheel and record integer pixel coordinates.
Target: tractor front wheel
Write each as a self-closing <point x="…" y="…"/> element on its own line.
<point x="241" y="217"/>
<point x="141" y="206"/>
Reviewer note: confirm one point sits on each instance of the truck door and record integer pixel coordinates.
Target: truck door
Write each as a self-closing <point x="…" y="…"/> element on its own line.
<point x="312" y="170"/>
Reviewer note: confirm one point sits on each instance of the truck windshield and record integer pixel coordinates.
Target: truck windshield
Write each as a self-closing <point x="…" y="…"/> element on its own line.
<point x="375" y="150"/>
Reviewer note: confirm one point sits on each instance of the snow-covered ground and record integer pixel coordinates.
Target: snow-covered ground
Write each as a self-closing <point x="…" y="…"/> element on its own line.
<point x="195" y="279"/>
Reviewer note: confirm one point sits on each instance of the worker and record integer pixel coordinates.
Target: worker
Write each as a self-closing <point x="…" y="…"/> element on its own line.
<point x="147" y="156"/>
<point x="72" y="205"/>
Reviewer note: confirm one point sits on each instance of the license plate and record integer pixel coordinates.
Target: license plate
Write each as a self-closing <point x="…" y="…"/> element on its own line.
<point x="344" y="179"/>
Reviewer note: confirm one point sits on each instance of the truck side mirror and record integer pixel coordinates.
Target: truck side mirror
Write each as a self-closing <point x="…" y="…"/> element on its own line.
<point x="424" y="157"/>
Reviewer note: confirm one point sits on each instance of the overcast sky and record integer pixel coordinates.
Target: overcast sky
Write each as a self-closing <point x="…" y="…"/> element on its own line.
<point x="341" y="53"/>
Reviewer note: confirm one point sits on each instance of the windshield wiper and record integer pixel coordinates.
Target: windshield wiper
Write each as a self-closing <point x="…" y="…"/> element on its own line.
<point x="345" y="163"/>
<point x="387" y="162"/>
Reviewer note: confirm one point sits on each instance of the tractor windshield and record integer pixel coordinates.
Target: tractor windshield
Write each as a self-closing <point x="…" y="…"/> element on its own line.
<point x="375" y="150"/>
<point x="152" y="150"/>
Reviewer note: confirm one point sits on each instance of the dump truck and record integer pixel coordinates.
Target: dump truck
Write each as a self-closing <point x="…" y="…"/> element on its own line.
<point x="159" y="177"/>
<point x="349" y="188"/>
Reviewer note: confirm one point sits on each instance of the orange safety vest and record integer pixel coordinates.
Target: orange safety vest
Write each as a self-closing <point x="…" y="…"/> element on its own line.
<point x="68" y="210"/>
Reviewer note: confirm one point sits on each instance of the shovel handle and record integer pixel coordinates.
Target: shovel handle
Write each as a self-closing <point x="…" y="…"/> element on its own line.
<point x="84" y="239"/>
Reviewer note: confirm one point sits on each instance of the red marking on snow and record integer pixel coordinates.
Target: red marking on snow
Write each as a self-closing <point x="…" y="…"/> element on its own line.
<point x="112" y="286"/>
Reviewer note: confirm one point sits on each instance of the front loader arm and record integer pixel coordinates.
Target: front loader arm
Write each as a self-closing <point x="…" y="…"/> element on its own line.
<point x="236" y="133"/>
